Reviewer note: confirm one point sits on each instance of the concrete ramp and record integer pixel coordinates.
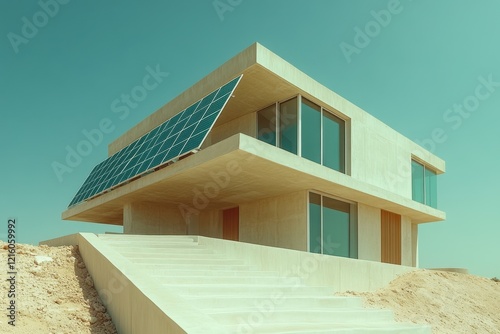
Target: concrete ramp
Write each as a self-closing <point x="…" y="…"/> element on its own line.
<point x="190" y="284"/>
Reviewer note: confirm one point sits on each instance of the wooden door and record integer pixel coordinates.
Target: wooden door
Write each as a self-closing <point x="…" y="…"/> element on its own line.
<point x="231" y="224"/>
<point x="391" y="237"/>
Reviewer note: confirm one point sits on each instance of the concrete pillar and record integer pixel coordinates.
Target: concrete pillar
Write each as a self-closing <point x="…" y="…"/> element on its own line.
<point x="406" y="242"/>
<point x="414" y="244"/>
<point x="369" y="233"/>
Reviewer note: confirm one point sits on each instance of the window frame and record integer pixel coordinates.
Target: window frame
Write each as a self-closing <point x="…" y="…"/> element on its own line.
<point x="353" y="223"/>
<point x="431" y="202"/>
<point x="323" y="112"/>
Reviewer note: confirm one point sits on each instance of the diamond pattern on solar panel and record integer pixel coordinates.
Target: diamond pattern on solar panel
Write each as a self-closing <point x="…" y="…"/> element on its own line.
<point x="181" y="134"/>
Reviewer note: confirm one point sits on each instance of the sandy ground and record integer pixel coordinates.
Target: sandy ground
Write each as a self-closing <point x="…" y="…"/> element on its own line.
<point x="56" y="296"/>
<point x="452" y="303"/>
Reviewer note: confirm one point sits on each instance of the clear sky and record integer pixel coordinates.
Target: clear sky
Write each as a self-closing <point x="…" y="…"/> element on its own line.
<point x="429" y="69"/>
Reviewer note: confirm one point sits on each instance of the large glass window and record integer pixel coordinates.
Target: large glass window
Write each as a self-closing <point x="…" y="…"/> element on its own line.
<point x="266" y="125"/>
<point x="333" y="142"/>
<point x="288" y="125"/>
<point x="322" y="134"/>
<point x="331" y="227"/>
<point x="335" y="227"/>
<point x="311" y="133"/>
<point x="430" y="188"/>
<point x="417" y="182"/>
<point x="424" y="184"/>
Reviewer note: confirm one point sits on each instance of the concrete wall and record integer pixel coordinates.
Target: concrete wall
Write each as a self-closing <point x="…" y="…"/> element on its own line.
<point x="210" y="223"/>
<point x="246" y="124"/>
<point x="153" y="218"/>
<point x="127" y="294"/>
<point x="369" y="236"/>
<point x="407" y="250"/>
<point x="414" y="244"/>
<point x="341" y="274"/>
<point x="278" y="221"/>
<point x="369" y="233"/>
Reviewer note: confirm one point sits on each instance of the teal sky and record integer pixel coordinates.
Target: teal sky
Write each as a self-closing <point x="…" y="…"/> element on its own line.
<point x="411" y="70"/>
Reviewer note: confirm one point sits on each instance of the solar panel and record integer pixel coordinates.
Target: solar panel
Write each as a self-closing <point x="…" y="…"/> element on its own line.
<point x="181" y="134"/>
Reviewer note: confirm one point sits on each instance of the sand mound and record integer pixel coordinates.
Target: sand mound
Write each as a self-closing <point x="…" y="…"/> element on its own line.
<point x="54" y="293"/>
<point x="450" y="302"/>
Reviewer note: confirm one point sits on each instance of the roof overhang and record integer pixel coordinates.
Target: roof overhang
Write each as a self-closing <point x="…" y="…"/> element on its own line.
<point x="247" y="170"/>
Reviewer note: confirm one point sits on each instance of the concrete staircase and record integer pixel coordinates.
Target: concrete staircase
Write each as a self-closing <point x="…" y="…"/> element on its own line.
<point x="229" y="295"/>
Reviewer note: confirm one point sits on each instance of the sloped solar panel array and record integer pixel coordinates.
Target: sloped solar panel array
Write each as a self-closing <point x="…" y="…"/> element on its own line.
<point x="179" y="135"/>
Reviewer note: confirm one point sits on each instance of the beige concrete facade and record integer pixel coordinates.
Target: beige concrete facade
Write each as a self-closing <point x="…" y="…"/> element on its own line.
<point x="150" y="218"/>
<point x="269" y="185"/>
<point x="277" y="221"/>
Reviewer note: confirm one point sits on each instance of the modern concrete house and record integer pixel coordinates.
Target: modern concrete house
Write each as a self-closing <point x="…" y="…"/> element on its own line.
<point x="286" y="163"/>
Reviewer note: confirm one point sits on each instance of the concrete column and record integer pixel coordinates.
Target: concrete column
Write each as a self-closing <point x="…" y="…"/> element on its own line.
<point x="414" y="244"/>
<point x="369" y="233"/>
<point x="406" y="242"/>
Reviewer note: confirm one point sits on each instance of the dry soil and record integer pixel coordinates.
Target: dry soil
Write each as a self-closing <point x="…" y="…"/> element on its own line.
<point x="451" y="302"/>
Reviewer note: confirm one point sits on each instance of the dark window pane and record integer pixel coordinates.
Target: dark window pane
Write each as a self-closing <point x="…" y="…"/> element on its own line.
<point x="333" y="142"/>
<point x="430" y="188"/>
<point x="311" y="131"/>
<point x="288" y="125"/>
<point x="335" y="227"/>
<point x="266" y="125"/>
<point x="417" y="182"/>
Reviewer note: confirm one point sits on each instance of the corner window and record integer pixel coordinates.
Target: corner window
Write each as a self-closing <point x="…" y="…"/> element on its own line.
<point x="311" y="131"/>
<point x="333" y="142"/>
<point x="332" y="230"/>
<point x="266" y="124"/>
<point x="288" y="126"/>
<point x="423" y="184"/>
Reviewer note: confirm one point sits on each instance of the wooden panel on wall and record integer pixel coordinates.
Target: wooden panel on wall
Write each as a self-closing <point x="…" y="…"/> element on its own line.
<point x="231" y="224"/>
<point x="391" y="237"/>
